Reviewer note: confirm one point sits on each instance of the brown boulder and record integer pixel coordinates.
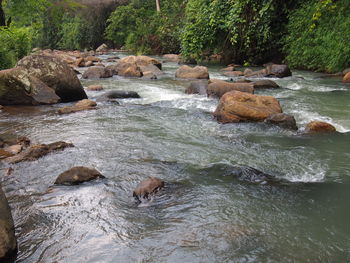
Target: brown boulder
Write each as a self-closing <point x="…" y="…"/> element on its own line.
<point x="151" y="69"/>
<point x="4" y="154"/>
<point x="78" y="175"/>
<point x="56" y="74"/>
<point x="79" y="62"/>
<point x="19" y="87"/>
<point x="187" y="72"/>
<point x="233" y="73"/>
<point x="97" y="73"/>
<point x="147" y="187"/>
<point x="247" y="72"/>
<point x="129" y="70"/>
<point x="265" y="84"/>
<point x="198" y="87"/>
<point x="278" y="70"/>
<point x="8" y="243"/>
<point x="319" y="127"/>
<point x="283" y="120"/>
<point x="94" y="88"/>
<point x="102" y="48"/>
<point x="34" y="152"/>
<point x="236" y="106"/>
<point x="79" y="106"/>
<point x="229" y="68"/>
<point x="92" y="59"/>
<point x="14" y="149"/>
<point x="256" y="74"/>
<point x="141" y="61"/>
<point x="219" y="88"/>
<point x="346" y="78"/>
<point x="171" y="57"/>
<point x="89" y="64"/>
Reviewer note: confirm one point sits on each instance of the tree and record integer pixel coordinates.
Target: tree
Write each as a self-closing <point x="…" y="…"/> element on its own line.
<point x="2" y="15"/>
<point x="158" y="5"/>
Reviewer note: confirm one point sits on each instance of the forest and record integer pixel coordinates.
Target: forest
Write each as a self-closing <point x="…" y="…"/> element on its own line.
<point x="311" y="35"/>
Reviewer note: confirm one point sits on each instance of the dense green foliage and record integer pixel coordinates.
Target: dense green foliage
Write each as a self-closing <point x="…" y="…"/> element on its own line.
<point x="319" y="36"/>
<point x="140" y="28"/>
<point x="306" y="34"/>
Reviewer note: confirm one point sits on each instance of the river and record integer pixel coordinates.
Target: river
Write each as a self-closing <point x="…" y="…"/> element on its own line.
<point x="203" y="214"/>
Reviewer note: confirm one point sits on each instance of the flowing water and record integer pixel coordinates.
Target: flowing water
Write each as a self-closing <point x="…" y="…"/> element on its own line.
<point x="203" y="214"/>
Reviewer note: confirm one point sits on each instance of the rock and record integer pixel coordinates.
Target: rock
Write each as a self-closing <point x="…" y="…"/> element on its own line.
<point x="171" y="57"/>
<point x="92" y="59"/>
<point x="198" y="87"/>
<point x="219" y="88"/>
<point x="14" y="149"/>
<point x="8" y="171"/>
<point x="97" y="73"/>
<point x="121" y="94"/>
<point x="56" y="74"/>
<point x="233" y="73"/>
<point x="79" y="62"/>
<point x="319" y="127"/>
<point x="141" y="61"/>
<point x="151" y="69"/>
<point x="252" y="175"/>
<point x="94" y="88"/>
<point x="283" y="120"/>
<point x="37" y="151"/>
<point x="229" y="68"/>
<point x="265" y="84"/>
<point x="8" y="243"/>
<point x="346" y="78"/>
<point x="89" y="64"/>
<point x="147" y="187"/>
<point x="247" y="72"/>
<point x="236" y="106"/>
<point x="128" y="70"/>
<point x="278" y="70"/>
<point x="4" y="154"/>
<point x="79" y="106"/>
<point x="149" y="75"/>
<point x="187" y="72"/>
<point x="346" y="71"/>
<point x="19" y="87"/>
<point x="102" y="48"/>
<point x="257" y="74"/>
<point x="78" y="175"/>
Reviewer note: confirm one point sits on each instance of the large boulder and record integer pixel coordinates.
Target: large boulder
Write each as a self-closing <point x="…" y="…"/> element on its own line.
<point x="278" y="70"/>
<point x="147" y="187"/>
<point x="56" y="74"/>
<point x="78" y="175"/>
<point x="198" y="87"/>
<point x="346" y="78"/>
<point x="127" y="69"/>
<point x="319" y="127"/>
<point x="8" y="243"/>
<point x="79" y="106"/>
<point x="37" y="151"/>
<point x="283" y="120"/>
<point x="97" y="72"/>
<point x="236" y="106"/>
<point x="187" y="72"/>
<point x="219" y="88"/>
<point x="141" y="61"/>
<point x="18" y="87"/>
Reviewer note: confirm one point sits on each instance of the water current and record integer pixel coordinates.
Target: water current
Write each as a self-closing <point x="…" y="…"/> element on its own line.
<point x="203" y="214"/>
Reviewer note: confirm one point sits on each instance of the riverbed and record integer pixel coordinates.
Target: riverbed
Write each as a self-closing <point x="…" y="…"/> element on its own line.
<point x="203" y="214"/>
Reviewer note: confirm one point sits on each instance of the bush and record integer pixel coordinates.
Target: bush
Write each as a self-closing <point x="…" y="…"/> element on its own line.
<point x="15" y="44"/>
<point x="319" y="36"/>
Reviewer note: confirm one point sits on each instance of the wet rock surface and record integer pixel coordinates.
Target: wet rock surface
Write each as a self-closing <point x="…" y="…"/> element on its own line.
<point x="283" y="120"/>
<point x="78" y="175"/>
<point x="319" y="127"/>
<point x="187" y="72"/>
<point x="147" y="187"/>
<point x="198" y="87"/>
<point x="79" y="106"/>
<point x="219" y="88"/>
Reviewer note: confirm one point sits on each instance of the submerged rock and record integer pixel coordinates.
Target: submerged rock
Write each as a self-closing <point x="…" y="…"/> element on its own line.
<point x="283" y="120"/>
<point x="319" y="127"/>
<point x="121" y="94"/>
<point x="278" y="70"/>
<point x="198" y="87"/>
<point x="147" y="187"/>
<point x="78" y="175"/>
<point x="187" y="72"/>
<point x="37" y="151"/>
<point x="8" y="242"/>
<point x="236" y="106"/>
<point x="56" y="74"/>
<point x="79" y="106"/>
<point x="219" y="88"/>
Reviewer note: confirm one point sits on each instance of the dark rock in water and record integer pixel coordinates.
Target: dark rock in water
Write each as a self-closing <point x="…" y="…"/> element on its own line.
<point x="283" y="120"/>
<point x="198" y="87"/>
<point x="8" y="243"/>
<point x="56" y="74"/>
<point x="35" y="152"/>
<point x="78" y="175"/>
<point x="278" y="70"/>
<point x="121" y="94"/>
<point x="147" y="187"/>
<point x="265" y="84"/>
